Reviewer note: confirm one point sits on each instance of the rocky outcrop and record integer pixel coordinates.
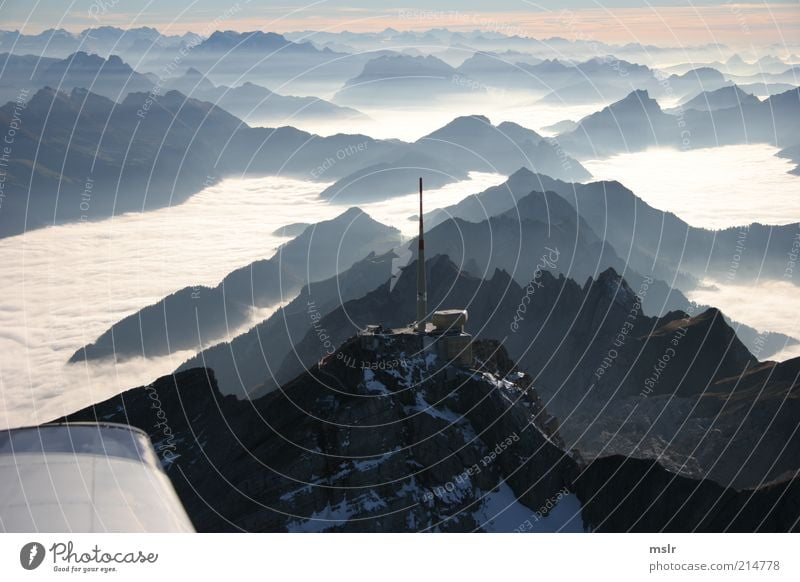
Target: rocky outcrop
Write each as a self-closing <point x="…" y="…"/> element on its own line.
<point x="383" y="438"/>
<point x="621" y="382"/>
<point x="372" y="440"/>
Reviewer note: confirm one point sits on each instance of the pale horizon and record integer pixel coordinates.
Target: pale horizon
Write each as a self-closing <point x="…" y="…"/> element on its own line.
<point x="681" y="26"/>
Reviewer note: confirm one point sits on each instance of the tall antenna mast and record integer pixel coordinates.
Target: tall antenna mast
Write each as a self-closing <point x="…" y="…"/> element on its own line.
<point x="422" y="293"/>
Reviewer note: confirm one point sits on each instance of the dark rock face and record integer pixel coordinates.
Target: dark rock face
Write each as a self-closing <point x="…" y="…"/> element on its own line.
<point x="582" y="322"/>
<point x="632" y="495"/>
<point x="679" y="388"/>
<point x="401" y="447"/>
<point x="385" y="439"/>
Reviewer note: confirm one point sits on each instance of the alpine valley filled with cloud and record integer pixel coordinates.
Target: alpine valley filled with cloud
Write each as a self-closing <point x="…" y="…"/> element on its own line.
<point x="226" y="208"/>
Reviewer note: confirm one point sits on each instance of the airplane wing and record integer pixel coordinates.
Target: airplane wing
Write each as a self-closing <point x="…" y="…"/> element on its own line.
<point x="85" y="477"/>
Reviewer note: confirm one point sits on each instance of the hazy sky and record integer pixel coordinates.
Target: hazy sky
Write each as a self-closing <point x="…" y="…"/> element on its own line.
<point x="673" y="22"/>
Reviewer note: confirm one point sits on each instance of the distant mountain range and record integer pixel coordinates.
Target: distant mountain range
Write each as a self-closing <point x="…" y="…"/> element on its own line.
<point x="722" y="98"/>
<point x="110" y="77"/>
<point x="248" y="366"/>
<point x="259" y="105"/>
<point x="414" y="79"/>
<point x="102" y="40"/>
<point x="638" y="122"/>
<point x="396" y="175"/>
<point x="443" y="40"/>
<point x="443" y="156"/>
<point x="115" y="79"/>
<point x="196" y="317"/>
<point x="307" y="62"/>
<point x="500" y="228"/>
<point x="230" y="57"/>
<point x="396" y="79"/>
<point x="651" y="240"/>
<point x="736" y="65"/>
<point x="599" y="79"/>
<point x="790" y="75"/>
<point x="693" y="81"/>
<point x="146" y="152"/>
<point x="151" y="150"/>
<point x="766" y="89"/>
<point x="631" y="124"/>
<point x="140" y="40"/>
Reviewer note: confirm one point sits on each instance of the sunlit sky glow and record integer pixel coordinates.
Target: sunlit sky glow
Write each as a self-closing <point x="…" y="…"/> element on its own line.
<point x="664" y="22"/>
